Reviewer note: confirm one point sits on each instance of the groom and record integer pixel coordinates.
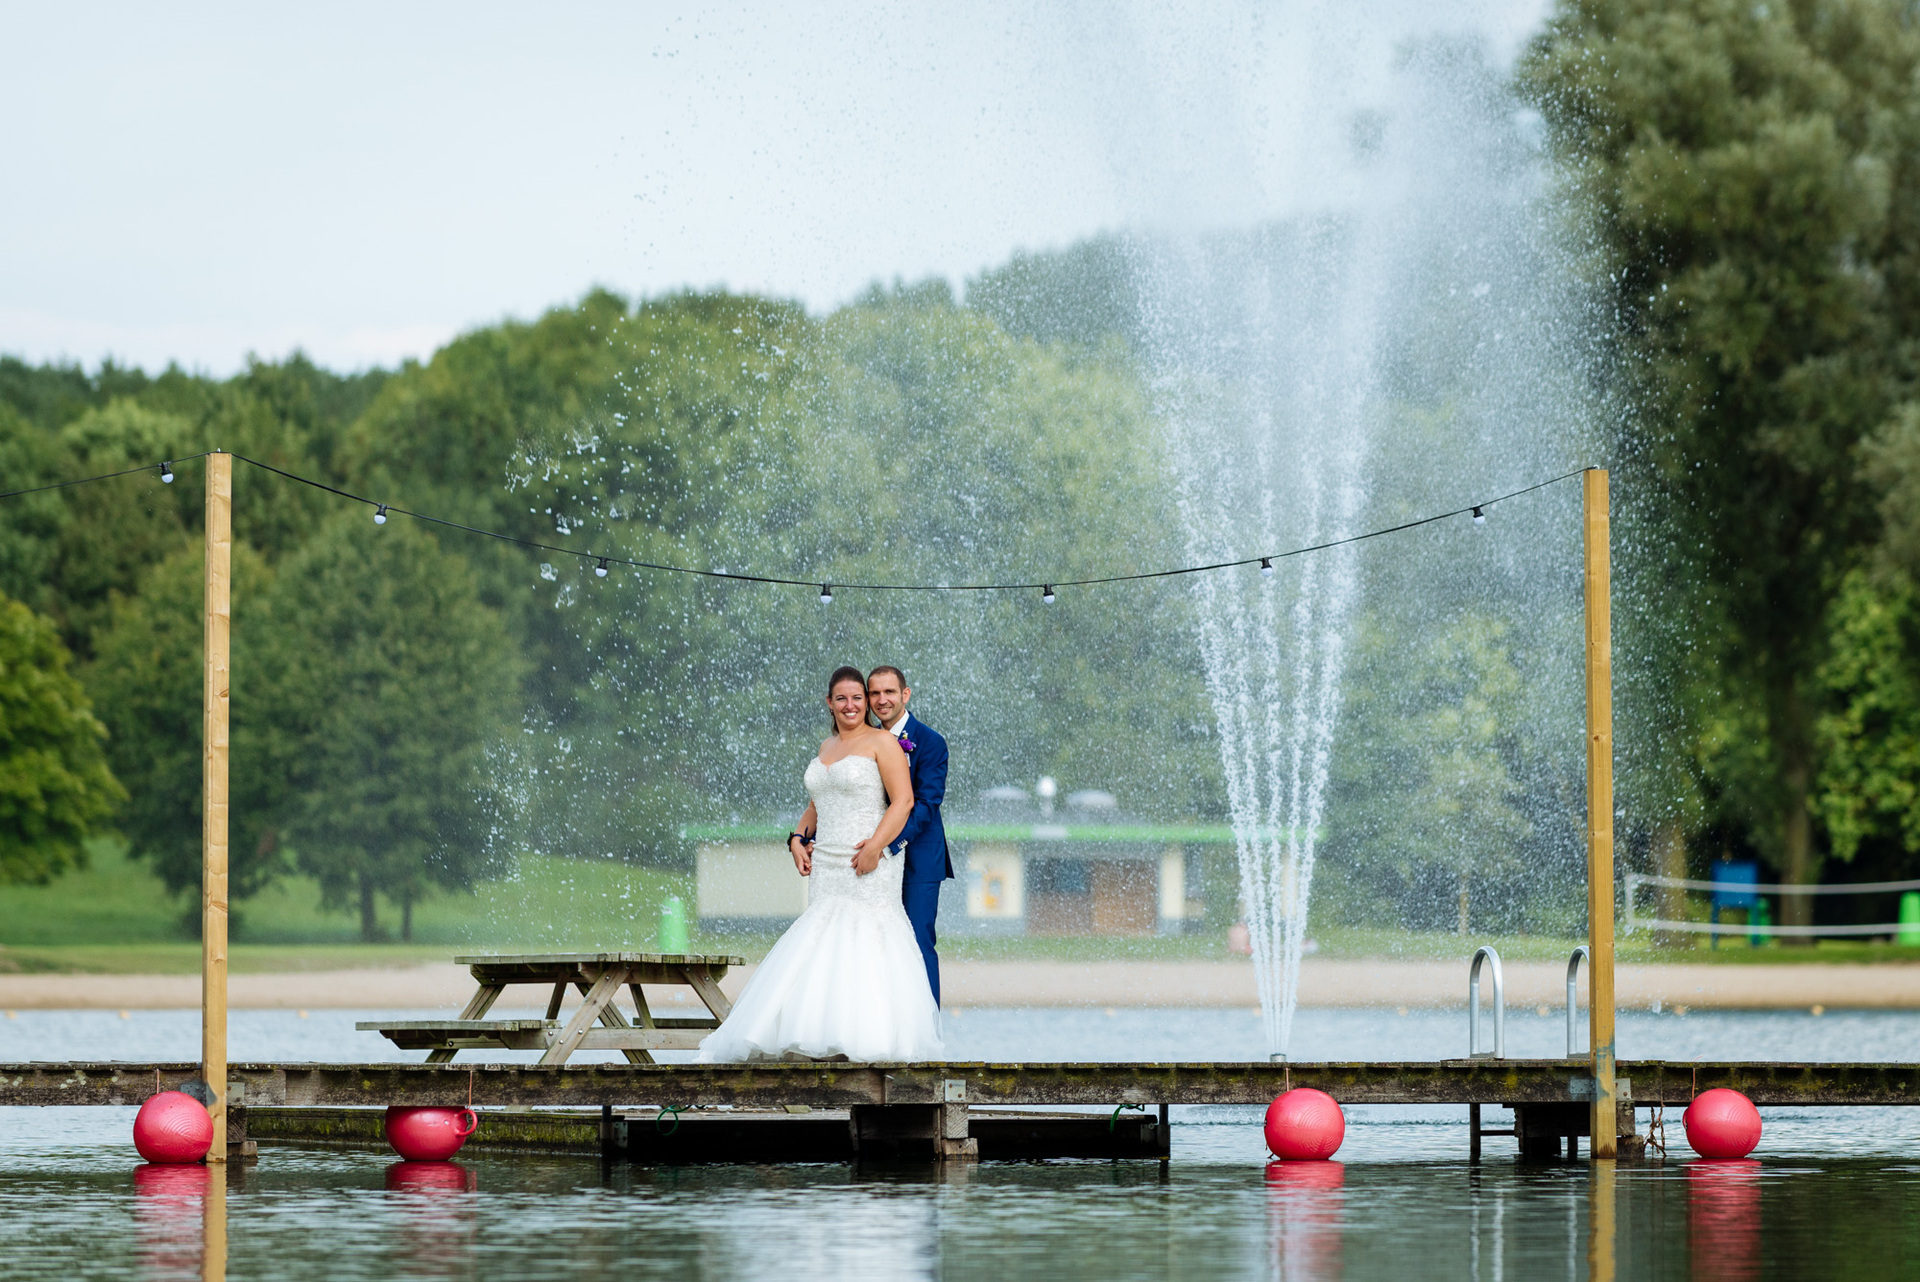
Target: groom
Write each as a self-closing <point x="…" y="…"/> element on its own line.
<point x="924" y="838"/>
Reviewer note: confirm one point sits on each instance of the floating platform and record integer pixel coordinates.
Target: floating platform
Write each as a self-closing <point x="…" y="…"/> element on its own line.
<point x="665" y="1138"/>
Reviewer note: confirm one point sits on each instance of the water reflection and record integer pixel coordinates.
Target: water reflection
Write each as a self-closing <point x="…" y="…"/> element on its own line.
<point x="1602" y="1223"/>
<point x="438" y="1225"/>
<point x="169" y="1206"/>
<point x="1305" y="1214"/>
<point x="430" y="1177"/>
<point x="1402" y="1205"/>
<point x="180" y="1220"/>
<point x="1723" y="1219"/>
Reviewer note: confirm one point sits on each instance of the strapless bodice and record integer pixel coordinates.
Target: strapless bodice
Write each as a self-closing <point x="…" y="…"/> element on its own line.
<point x="849" y="801"/>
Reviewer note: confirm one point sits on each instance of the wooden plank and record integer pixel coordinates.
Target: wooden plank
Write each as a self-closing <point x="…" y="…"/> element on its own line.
<point x="549" y="971"/>
<point x="599" y="960"/>
<point x="838" y="1085"/>
<point x="454" y="1025"/>
<point x="638" y="1041"/>
<point x="1600" y="808"/>
<point x="559" y="996"/>
<point x="216" y="693"/>
<point x="643" y="1014"/>
<point x="445" y="1036"/>
<point x="598" y="998"/>
<point x="700" y="979"/>
<point x="479" y="1004"/>
<point x="614" y="1018"/>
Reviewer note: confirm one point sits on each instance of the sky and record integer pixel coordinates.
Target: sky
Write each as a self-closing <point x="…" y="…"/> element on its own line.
<point x="198" y="183"/>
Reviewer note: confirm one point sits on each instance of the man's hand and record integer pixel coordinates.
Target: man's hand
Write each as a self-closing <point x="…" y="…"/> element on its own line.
<point x="802" y="855"/>
<point x="866" y="855"/>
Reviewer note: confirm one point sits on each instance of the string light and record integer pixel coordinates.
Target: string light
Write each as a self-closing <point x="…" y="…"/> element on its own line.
<point x="166" y="472"/>
<point x="1478" y="512"/>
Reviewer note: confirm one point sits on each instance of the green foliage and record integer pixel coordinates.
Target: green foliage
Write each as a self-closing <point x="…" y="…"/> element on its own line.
<point x="1869" y="784"/>
<point x="55" y="787"/>
<point x="1082" y="295"/>
<point x="1749" y="172"/>
<point x="148" y="679"/>
<point x="30" y="524"/>
<point x="383" y="682"/>
<point x="115" y="530"/>
<point x="900" y="440"/>
<point x="1438" y="787"/>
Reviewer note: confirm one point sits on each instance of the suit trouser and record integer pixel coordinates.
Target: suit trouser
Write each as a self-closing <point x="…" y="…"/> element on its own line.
<point x="922" y="902"/>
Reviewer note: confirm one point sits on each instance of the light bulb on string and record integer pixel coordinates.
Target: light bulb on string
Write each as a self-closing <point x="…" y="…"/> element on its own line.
<point x="380" y="514"/>
<point x="826" y="594"/>
<point x="166" y="473"/>
<point x="601" y="569"/>
<point x="1046" y="594"/>
<point x="1266" y="567"/>
<point x="1479" y="516"/>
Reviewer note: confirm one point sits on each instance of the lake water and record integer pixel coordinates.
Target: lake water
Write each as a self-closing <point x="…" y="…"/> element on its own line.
<point x="1832" y="1192"/>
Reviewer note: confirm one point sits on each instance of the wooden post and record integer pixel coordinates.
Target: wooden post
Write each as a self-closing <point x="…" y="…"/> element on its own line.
<point x="213" y="899"/>
<point x="1605" y="1121"/>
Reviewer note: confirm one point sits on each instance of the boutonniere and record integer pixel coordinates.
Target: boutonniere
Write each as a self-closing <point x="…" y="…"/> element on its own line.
<point x="906" y="744"/>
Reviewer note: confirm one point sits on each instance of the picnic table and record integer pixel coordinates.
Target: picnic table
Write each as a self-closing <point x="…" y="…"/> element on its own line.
<point x="600" y="976"/>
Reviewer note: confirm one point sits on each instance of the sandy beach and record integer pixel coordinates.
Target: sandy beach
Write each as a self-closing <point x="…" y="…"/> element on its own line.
<point x="1323" y="982"/>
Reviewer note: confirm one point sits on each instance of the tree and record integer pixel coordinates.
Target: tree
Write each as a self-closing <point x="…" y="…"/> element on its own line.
<point x="55" y="787"/>
<point x="384" y="684"/>
<point x="147" y="676"/>
<point x="1437" y="791"/>
<point x="1749" y="174"/>
<point x="902" y="439"/>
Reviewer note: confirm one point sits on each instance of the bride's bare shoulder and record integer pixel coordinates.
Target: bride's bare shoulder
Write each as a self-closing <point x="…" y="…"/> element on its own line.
<point x="885" y="746"/>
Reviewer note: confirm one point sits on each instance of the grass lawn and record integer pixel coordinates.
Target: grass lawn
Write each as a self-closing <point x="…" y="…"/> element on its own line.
<point x="115" y="917"/>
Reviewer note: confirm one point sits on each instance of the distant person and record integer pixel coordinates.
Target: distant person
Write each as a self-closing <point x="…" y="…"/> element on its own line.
<point x="846" y="981"/>
<point x="924" y="838"/>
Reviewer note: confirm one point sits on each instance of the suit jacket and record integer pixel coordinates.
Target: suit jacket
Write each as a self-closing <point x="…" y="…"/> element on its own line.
<point x="925" y="837"/>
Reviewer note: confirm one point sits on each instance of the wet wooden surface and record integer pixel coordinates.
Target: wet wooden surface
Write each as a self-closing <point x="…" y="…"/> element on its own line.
<point x="842" y="1085"/>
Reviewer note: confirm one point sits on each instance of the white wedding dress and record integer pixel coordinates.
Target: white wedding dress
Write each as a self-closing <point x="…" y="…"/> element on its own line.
<point x="847" y="977"/>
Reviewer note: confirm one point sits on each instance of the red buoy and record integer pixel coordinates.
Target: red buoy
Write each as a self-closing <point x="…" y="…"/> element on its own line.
<point x="1722" y="1123"/>
<point x="429" y="1134"/>
<point x="1305" y="1125"/>
<point x="172" y="1127"/>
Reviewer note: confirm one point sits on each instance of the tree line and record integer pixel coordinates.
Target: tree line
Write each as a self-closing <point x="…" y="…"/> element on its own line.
<point x="412" y="705"/>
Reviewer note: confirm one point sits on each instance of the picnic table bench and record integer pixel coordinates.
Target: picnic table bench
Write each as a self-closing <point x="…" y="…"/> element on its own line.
<point x="599" y="976"/>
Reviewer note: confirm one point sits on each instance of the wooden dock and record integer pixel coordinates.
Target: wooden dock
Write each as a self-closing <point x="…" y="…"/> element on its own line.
<point x="814" y="1111"/>
<point x="843" y="1085"/>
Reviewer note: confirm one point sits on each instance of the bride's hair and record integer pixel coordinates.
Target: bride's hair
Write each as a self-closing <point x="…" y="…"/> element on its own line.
<point x="845" y="673"/>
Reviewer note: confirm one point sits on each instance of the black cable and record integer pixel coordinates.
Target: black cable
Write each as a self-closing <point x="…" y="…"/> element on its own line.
<point x="104" y="476"/>
<point x="1470" y="509"/>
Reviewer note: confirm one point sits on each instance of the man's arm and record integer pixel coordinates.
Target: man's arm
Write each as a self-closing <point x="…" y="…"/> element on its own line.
<point x="929" y="789"/>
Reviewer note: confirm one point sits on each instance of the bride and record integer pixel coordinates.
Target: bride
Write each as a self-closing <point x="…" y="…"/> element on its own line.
<point x="847" y="979"/>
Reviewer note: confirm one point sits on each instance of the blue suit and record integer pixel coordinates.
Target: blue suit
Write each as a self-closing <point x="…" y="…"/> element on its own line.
<point x="925" y="841"/>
